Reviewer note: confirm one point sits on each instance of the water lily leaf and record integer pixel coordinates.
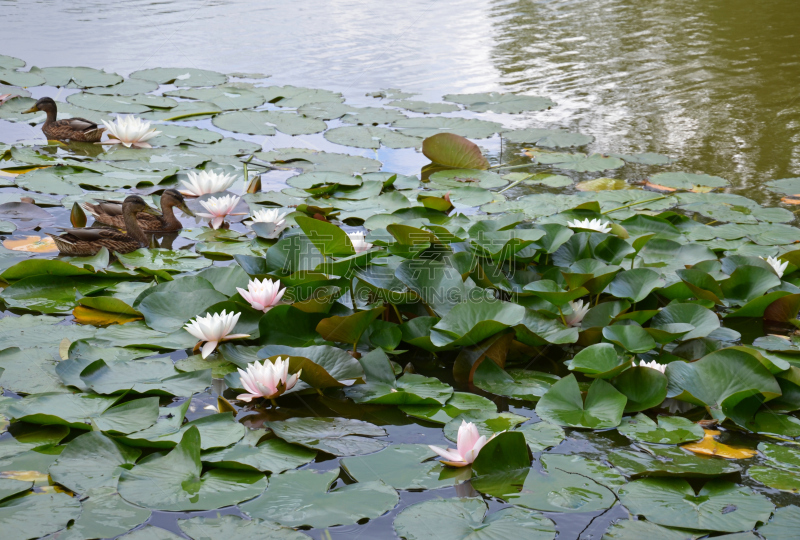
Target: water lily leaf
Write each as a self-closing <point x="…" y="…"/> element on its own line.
<point x="216" y="431"/>
<point x="73" y="410"/>
<point x="48" y="181"/>
<point x="299" y="498"/>
<point x="226" y="527"/>
<point x="12" y="62"/>
<point x="461" y="519"/>
<point x="401" y="466"/>
<point x="273" y="455"/>
<point x="722" y="380"/>
<point x="148" y="532"/>
<point x="781" y="425"/>
<point x="643" y="386"/>
<point x="454" y="151"/>
<point x="104" y="514"/>
<point x="184" y="110"/>
<point x="371" y="115"/>
<point x="563" y="405"/>
<point x="266" y="122"/>
<point x="9" y="487"/>
<point x="688" y="181"/>
<point x="635" y="284"/>
<point x="82" y="77"/>
<point x="602" y="184"/>
<point x="154" y="376"/>
<point x="29" y="371"/>
<point x="542" y="435"/>
<point x="371" y="137"/>
<point x="20" y="78"/>
<point x="152" y="261"/>
<point x="465" y="178"/>
<point x="577" y="162"/>
<point x="668" y="430"/>
<point x="783" y="525"/>
<point x="287" y="325"/>
<point x="704" y="320"/>
<point x="556" y="491"/>
<point x="507" y="451"/>
<point x="296" y="96"/>
<point x="548" y="138"/>
<point x="748" y="283"/>
<point x="630" y="337"/>
<point x="92" y="460"/>
<point x="19" y="332"/>
<point x="174" y="482"/>
<point x="469" y="323"/>
<point x="500" y="103"/>
<point x="670" y="461"/>
<point x="46" y="295"/>
<point x="466" y="127"/>
<point x="459" y="403"/>
<point x="599" y="361"/>
<point x="629" y="529"/>
<point x="514" y="383"/>
<point x="336" y="436"/>
<point x="719" y="506"/>
<point x="309" y="160"/>
<point x="37" y="515"/>
<point x="181" y="76"/>
<point x="488" y="422"/>
<point x="104" y="310"/>
<point x="338" y="364"/>
<point x="31" y="438"/>
<point x="227" y="98"/>
<point x="169" y="310"/>
<point x="135" y="104"/>
<point x="137" y="334"/>
<point x="128" y="417"/>
<point x="128" y="87"/>
<point x="711" y="447"/>
<point x="424" y="106"/>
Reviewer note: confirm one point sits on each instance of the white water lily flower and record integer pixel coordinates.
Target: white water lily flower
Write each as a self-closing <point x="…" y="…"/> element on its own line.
<point x="778" y="266"/>
<point x="218" y="208"/>
<point x="214" y="329"/>
<point x="579" y="311"/>
<point x="595" y="225"/>
<point x="469" y="444"/>
<point x="268" y="215"/>
<point x="262" y="295"/>
<point x="652" y="365"/>
<point x="268" y="380"/>
<point x="359" y="244"/>
<point x="130" y="131"/>
<point x="205" y="182"/>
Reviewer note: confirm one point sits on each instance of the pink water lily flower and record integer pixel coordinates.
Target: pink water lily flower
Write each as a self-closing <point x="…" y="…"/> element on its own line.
<point x="268" y="380"/>
<point x="359" y="244"/>
<point x="469" y="444"/>
<point x="262" y="295"/>
<point x="130" y="131"/>
<point x="219" y="208"/>
<point x="214" y="329"/>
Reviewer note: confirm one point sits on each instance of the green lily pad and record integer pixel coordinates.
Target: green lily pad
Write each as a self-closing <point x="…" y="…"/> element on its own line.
<point x="783" y="525"/>
<point x="401" y="466"/>
<point x="227" y="98"/>
<point x="548" y="138"/>
<point x="302" y="498"/>
<point x="542" y="435"/>
<point x="181" y="76"/>
<point x="222" y="527"/>
<point x="37" y="515"/>
<point x="488" y="423"/>
<point x="371" y="137"/>
<point x="104" y="514"/>
<point x="266" y="122"/>
<point x="563" y="405"/>
<point x="458" y="404"/>
<point x="173" y="482"/>
<point x="336" y="436"/>
<point x="668" y="430"/>
<point x="719" y="506"/>
<point x="500" y="103"/>
<point x="466" y="127"/>
<point x="423" y="106"/>
<point x="462" y="519"/>
<point x="687" y="181"/>
<point x="515" y="383"/>
<point x="92" y="460"/>
<point x="29" y="371"/>
<point x="670" y="461"/>
<point x="578" y="162"/>
<point x="273" y="455"/>
<point x="81" y="77"/>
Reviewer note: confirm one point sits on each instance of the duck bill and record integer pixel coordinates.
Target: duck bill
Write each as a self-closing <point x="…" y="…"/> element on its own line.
<point x="31" y="110"/>
<point x="152" y="211"/>
<point x="185" y="209"/>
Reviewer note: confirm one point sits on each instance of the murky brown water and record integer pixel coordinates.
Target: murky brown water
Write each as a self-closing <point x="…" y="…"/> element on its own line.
<point x="713" y="83"/>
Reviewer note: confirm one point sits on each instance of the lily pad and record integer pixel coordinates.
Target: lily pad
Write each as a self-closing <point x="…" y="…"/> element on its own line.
<point x="336" y="436"/>
<point x="668" y="430"/>
<point x="92" y="460"/>
<point x="500" y="103"/>
<point x="266" y="122"/>
<point x="462" y="519"/>
<point x="302" y="498"/>
<point x="227" y="527"/>
<point x="181" y="76"/>
<point x="402" y="466"/>
<point x="37" y="515"/>
<point x="563" y="405"/>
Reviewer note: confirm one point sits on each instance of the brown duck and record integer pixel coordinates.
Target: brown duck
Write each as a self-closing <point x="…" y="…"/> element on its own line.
<point x="111" y="213"/>
<point x="73" y="129"/>
<point x="86" y="242"/>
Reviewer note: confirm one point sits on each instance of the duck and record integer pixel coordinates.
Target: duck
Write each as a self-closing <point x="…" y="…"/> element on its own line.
<point x="73" y="129"/>
<point x="85" y="242"/>
<point x="111" y="213"/>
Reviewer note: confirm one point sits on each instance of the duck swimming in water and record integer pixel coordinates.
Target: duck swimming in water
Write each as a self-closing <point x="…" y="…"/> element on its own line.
<point x="73" y="129"/>
<point x="111" y="213"/>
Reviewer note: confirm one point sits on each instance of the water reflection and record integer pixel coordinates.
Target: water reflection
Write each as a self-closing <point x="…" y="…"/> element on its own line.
<point x="713" y="83"/>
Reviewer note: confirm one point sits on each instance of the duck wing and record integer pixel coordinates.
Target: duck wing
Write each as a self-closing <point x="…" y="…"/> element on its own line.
<point x="78" y="124"/>
<point x="93" y="235"/>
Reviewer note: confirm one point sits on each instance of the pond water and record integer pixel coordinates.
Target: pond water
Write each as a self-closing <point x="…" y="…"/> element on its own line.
<point x="712" y="85"/>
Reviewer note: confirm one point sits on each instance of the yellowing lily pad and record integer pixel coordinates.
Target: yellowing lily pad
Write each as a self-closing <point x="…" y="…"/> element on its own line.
<point x="710" y="446"/>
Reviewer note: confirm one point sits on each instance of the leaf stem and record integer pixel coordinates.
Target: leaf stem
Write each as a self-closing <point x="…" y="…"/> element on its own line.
<point x="514" y="184"/>
<point x="634" y="204"/>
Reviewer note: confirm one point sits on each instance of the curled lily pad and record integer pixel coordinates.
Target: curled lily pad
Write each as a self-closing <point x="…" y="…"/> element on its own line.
<point x="563" y="405"/>
<point x="668" y="430"/>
